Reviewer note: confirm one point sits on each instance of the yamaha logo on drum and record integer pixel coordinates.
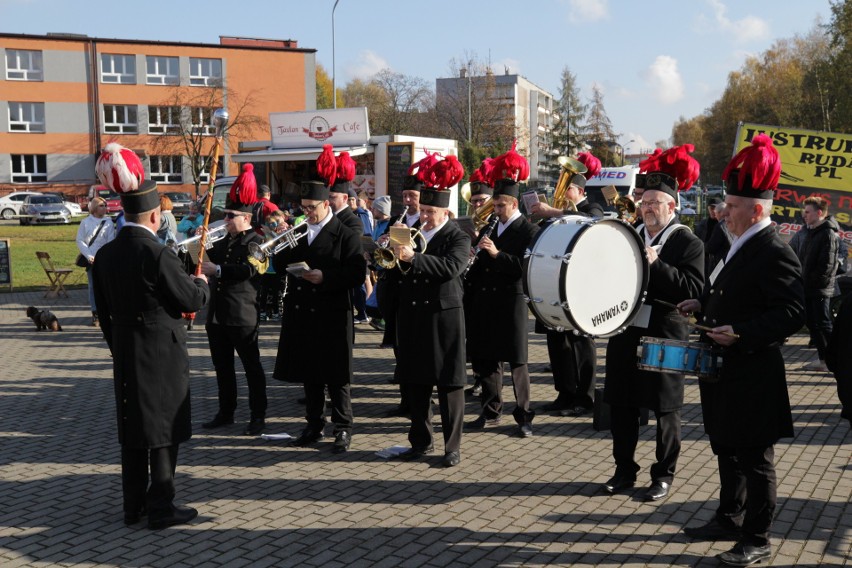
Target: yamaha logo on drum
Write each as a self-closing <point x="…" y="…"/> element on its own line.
<point x="607" y="315"/>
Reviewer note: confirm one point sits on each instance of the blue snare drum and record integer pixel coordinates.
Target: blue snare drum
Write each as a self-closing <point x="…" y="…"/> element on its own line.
<point x="676" y="356"/>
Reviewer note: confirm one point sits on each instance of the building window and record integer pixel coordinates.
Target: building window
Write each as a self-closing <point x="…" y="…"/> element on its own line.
<point x="23" y="65"/>
<point x="205" y="72"/>
<point x="204" y="174"/>
<point x="120" y="119"/>
<point x="202" y="120"/>
<point x="116" y="68"/>
<point x="163" y="120"/>
<point x="166" y="169"/>
<point x="26" y="117"/>
<point x="29" y="168"/>
<point x="162" y="70"/>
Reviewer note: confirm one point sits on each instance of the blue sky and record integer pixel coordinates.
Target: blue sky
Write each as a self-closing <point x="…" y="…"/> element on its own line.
<point x="654" y="60"/>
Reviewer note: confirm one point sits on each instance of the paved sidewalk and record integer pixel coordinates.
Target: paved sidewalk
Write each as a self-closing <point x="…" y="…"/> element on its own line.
<point x="511" y="502"/>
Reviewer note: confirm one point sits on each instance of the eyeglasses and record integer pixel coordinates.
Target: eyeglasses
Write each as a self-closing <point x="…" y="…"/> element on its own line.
<point x="230" y="215"/>
<point x="651" y="203"/>
<point x="478" y="201"/>
<point x="309" y="208"/>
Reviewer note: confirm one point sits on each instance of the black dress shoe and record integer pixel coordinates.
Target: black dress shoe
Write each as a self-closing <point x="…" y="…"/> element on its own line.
<point x="745" y="554"/>
<point x="451" y="459"/>
<point x="576" y="410"/>
<point x="414" y="453"/>
<point x="177" y="516"/>
<point x="658" y="490"/>
<point x="218" y="420"/>
<point x="133" y="517"/>
<point x="619" y="482"/>
<point x="526" y="430"/>
<point x="255" y="427"/>
<point x="557" y="405"/>
<point x="713" y="531"/>
<point x="341" y="442"/>
<point x="308" y="437"/>
<point x="483" y="422"/>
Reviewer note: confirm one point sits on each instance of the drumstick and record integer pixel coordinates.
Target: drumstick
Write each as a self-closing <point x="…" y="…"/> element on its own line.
<point x="693" y="321"/>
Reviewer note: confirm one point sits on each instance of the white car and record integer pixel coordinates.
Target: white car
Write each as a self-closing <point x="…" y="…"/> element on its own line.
<point x="10" y="205"/>
<point x="72" y="207"/>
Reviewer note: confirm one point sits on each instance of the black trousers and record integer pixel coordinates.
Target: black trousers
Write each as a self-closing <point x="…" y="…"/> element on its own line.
<point x="341" y="406"/>
<point x="625" y="437"/>
<point x="386" y="297"/>
<point x="451" y="403"/>
<point x="138" y="494"/>
<point x="748" y="493"/>
<point x="224" y="340"/>
<point x="491" y="375"/>
<point x="573" y="359"/>
<point x="818" y="320"/>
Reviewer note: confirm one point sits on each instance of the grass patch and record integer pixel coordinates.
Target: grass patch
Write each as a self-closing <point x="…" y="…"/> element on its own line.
<point x="24" y="241"/>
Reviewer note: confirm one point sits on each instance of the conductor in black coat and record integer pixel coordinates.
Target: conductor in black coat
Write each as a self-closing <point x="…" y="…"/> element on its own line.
<point x="676" y="259"/>
<point x="753" y="303"/>
<point x="232" y="318"/>
<point x="430" y="328"/>
<point x="318" y="315"/>
<point x="573" y="358"/>
<point x="497" y="313"/>
<point x="142" y="291"/>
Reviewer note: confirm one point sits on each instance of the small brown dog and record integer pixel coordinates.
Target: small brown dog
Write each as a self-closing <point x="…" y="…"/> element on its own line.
<point x="43" y="319"/>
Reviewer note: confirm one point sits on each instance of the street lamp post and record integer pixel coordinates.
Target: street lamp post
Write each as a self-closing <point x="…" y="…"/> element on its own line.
<point x="333" y="66"/>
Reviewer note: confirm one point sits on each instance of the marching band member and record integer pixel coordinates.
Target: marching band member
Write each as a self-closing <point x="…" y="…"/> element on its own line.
<point x="317" y="332"/>
<point x="232" y="318"/>
<point x="497" y="312"/>
<point x="753" y="300"/>
<point x="141" y="290"/>
<point x="430" y="319"/>
<point x="676" y="259"/>
<point x="573" y="358"/>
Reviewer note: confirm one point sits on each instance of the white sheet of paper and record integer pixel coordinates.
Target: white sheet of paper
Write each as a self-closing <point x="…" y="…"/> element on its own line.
<point x="643" y="318"/>
<point x="275" y="436"/>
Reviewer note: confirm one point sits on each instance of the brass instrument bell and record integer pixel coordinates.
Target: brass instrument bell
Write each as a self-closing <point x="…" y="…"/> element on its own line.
<point x="569" y="168"/>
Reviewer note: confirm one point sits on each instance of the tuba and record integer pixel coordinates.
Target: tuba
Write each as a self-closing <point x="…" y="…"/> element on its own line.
<point x="479" y="215"/>
<point x="569" y="168"/>
<point x="625" y="207"/>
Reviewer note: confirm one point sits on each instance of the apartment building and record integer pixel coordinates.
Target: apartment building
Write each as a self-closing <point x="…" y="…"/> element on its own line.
<point x="523" y="105"/>
<point x="64" y="96"/>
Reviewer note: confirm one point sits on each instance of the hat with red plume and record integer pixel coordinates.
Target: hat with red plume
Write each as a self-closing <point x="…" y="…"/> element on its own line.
<point x="755" y="170"/>
<point x="438" y="178"/>
<point x="327" y="165"/>
<point x="593" y="168"/>
<point x="243" y="194"/>
<point x="345" y="173"/>
<point x="508" y="170"/>
<point x="671" y="170"/>
<point x="648" y="164"/>
<point x="480" y="179"/>
<point x="121" y="170"/>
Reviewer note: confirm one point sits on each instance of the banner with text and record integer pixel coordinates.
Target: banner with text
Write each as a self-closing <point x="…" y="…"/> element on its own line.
<point x="312" y="129"/>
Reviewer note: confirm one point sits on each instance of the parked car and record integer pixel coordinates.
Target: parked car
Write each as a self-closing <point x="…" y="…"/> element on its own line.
<point x="180" y="202"/>
<point x="112" y="199"/>
<point x="10" y="205"/>
<point x="44" y="208"/>
<point x="72" y="206"/>
<point x="220" y="194"/>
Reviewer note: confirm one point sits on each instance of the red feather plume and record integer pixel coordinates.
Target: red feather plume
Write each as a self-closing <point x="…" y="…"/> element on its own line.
<point x="421" y="168"/>
<point x="510" y="165"/>
<point x="345" y="167"/>
<point x="760" y="160"/>
<point x="327" y="165"/>
<point x="244" y="188"/>
<point x="593" y="165"/>
<point x="650" y="164"/>
<point x="445" y="173"/>
<point x="483" y="173"/>
<point x="119" y="168"/>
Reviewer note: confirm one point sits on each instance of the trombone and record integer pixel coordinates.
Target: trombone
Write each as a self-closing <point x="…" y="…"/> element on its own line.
<point x="287" y="239"/>
<point x="569" y="167"/>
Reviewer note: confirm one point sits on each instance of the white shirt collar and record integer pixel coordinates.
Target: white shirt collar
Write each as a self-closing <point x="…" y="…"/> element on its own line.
<point x="129" y="224"/>
<point x="427" y="235"/>
<point x="313" y="230"/>
<point x="502" y="226"/>
<point x="738" y="242"/>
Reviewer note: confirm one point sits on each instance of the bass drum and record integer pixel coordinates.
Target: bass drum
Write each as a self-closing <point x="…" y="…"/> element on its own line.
<point x="588" y="275"/>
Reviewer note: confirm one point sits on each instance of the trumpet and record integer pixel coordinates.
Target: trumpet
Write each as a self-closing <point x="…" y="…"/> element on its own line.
<point x="626" y="208"/>
<point x="569" y="168"/>
<point x="384" y="256"/>
<point x="287" y="239"/>
<point x="215" y="233"/>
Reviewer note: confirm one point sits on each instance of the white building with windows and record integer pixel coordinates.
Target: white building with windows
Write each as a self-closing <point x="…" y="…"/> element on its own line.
<point x="63" y="97"/>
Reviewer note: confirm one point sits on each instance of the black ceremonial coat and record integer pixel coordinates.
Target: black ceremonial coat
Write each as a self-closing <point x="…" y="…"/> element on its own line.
<point x="430" y="319"/>
<point x="316" y="338"/>
<point x="351" y="220"/>
<point x="142" y="291"/>
<point x="760" y="293"/>
<point x="233" y="299"/>
<point x="677" y="275"/>
<point x="497" y="318"/>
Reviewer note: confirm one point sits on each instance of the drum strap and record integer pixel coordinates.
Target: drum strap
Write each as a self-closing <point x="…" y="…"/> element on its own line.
<point x="664" y="236"/>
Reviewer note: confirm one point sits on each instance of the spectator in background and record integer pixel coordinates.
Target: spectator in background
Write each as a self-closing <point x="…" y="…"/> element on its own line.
<point x="361" y="212"/>
<point x="191" y="221"/>
<point x="719" y="242"/>
<point x="168" y="224"/>
<point x="95" y="231"/>
<point x="119" y="221"/>
<point x="705" y="227"/>
<point x="818" y="255"/>
<point x="365" y="202"/>
<point x="270" y="297"/>
<point x="263" y="208"/>
<point x="381" y="213"/>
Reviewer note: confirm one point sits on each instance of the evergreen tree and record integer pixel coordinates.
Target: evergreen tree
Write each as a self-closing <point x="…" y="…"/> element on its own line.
<point x="569" y="114"/>
<point x="599" y="132"/>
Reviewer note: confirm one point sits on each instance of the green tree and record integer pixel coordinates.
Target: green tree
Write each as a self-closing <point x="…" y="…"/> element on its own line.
<point x="599" y="133"/>
<point x="569" y="113"/>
